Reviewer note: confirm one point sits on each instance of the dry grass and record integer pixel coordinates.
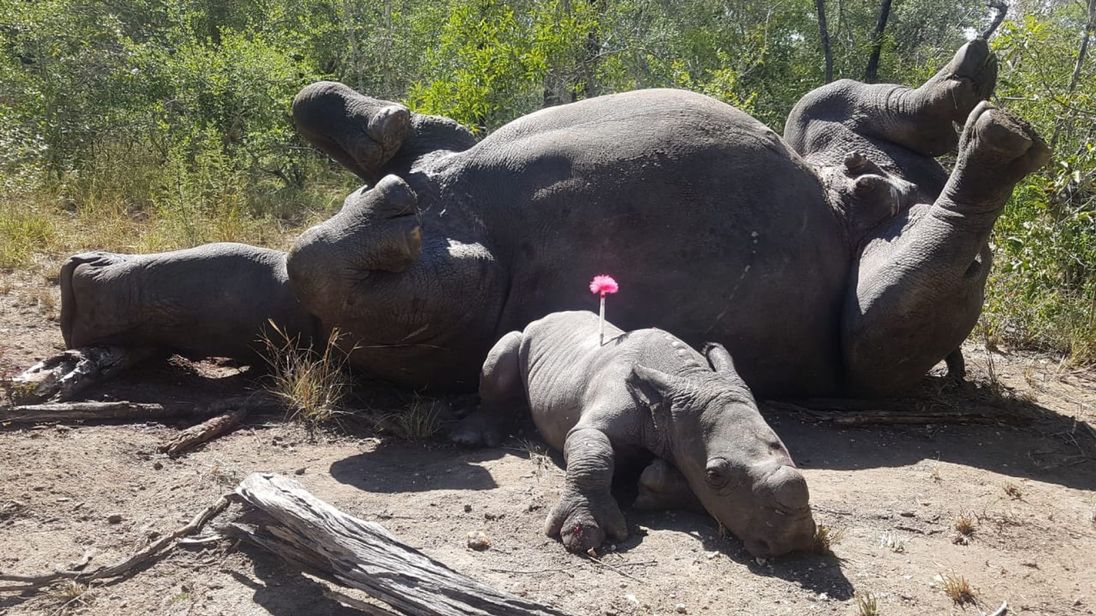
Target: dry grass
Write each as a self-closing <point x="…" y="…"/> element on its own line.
<point x="958" y="589"/>
<point x="1013" y="491"/>
<point x="312" y="383"/>
<point x="421" y="420"/>
<point x="69" y="595"/>
<point x="866" y="604"/>
<point x="825" y="538"/>
<point x="965" y="525"/>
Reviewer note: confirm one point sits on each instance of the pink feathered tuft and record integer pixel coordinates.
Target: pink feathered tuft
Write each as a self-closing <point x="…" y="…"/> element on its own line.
<point x="603" y="284"/>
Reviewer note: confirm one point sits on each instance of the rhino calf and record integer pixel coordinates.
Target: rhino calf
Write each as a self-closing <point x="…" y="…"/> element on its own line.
<point x="643" y="393"/>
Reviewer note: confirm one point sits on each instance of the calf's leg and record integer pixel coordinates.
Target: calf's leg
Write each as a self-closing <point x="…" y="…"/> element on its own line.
<point x="587" y="513"/>
<point x="502" y="397"/>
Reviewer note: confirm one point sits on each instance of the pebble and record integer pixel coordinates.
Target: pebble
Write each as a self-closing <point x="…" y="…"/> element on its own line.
<point x="468" y="508"/>
<point x="114" y="518"/>
<point x="478" y="540"/>
<point x="157" y="465"/>
<point x="299" y="471"/>
<point x="680" y="608"/>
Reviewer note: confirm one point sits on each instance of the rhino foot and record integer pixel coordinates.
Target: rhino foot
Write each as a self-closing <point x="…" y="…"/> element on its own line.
<point x="584" y="521"/>
<point x="996" y="151"/>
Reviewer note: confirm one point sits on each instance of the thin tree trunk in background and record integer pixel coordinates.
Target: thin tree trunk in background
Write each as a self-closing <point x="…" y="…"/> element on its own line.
<point x="871" y="73"/>
<point x="1002" y="9"/>
<point x="1082" y="53"/>
<point x="824" y="35"/>
<point x="1090" y="25"/>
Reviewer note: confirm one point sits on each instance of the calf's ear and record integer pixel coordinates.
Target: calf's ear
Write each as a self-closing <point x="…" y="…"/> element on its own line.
<point x="652" y="388"/>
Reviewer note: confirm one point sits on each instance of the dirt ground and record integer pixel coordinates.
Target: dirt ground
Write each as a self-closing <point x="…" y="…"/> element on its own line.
<point x="893" y="494"/>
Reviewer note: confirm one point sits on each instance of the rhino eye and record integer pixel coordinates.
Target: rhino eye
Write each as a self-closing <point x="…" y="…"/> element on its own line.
<point x="716" y="473"/>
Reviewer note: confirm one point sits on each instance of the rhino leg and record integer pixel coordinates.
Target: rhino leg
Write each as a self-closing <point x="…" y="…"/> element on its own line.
<point x="587" y="513"/>
<point x="918" y="286"/>
<point x="662" y="486"/>
<point x="369" y="136"/>
<point x="215" y="300"/>
<point x="921" y="119"/>
<point x="502" y="397"/>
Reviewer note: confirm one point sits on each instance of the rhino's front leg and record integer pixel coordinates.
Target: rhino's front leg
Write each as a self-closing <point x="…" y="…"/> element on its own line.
<point x="587" y="512"/>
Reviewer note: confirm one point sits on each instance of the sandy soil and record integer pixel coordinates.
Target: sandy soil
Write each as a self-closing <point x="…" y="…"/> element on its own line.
<point x="893" y="493"/>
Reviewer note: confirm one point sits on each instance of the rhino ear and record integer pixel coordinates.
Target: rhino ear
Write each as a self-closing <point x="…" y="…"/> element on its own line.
<point x="652" y="388"/>
<point x="720" y="360"/>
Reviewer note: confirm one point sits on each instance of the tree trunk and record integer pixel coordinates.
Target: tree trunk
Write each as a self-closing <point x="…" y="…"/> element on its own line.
<point x="871" y="73"/>
<point x="824" y="35"/>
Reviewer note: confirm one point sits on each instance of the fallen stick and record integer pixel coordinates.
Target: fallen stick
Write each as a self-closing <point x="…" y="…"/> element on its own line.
<point x="285" y="519"/>
<point x="129" y="411"/>
<point x="154" y="551"/>
<point x="1001" y="611"/>
<point x="62" y="376"/>
<point x="857" y="413"/>
<point x="203" y="432"/>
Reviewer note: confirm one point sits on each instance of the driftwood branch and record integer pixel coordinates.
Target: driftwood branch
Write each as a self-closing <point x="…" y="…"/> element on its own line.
<point x="125" y="410"/>
<point x="290" y="522"/>
<point x="205" y="431"/>
<point x="154" y="551"/>
<point x="896" y="412"/>
<point x="63" y="376"/>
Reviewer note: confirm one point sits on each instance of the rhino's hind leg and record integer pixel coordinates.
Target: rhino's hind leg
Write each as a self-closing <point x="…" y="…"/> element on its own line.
<point x="662" y="486"/>
<point x="502" y="397"/>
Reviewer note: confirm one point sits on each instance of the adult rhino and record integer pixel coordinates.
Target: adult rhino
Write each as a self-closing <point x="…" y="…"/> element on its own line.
<point x="839" y="260"/>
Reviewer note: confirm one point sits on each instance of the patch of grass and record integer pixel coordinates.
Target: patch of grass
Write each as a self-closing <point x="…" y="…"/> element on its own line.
<point x="825" y="538"/>
<point x="69" y="594"/>
<point x="964" y="524"/>
<point x="1013" y="491"/>
<point x="958" y="589"/>
<point x="866" y="604"/>
<point x="24" y="230"/>
<point x="312" y="383"/>
<point x="934" y="474"/>
<point x="419" y="421"/>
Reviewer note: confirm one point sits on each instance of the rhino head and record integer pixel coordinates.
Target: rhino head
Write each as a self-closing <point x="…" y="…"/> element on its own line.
<point x="734" y="463"/>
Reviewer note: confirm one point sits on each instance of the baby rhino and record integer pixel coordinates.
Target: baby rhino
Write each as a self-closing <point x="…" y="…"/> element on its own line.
<point x="643" y="394"/>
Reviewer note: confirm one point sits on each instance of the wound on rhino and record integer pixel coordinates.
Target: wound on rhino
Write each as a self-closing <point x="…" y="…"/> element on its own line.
<point x="643" y="395"/>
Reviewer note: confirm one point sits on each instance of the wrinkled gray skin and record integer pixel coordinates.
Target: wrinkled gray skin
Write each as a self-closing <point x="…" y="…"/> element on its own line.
<point x="785" y="250"/>
<point x="645" y="393"/>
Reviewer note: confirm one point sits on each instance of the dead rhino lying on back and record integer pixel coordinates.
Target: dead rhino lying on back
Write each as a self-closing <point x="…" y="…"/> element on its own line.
<point x="643" y="393"/>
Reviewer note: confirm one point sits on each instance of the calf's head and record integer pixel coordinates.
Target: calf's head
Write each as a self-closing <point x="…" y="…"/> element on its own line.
<point x="734" y="462"/>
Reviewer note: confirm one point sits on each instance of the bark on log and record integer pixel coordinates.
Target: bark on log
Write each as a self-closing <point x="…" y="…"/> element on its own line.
<point x="288" y="521"/>
<point x="203" y="432"/>
<point x="61" y="377"/>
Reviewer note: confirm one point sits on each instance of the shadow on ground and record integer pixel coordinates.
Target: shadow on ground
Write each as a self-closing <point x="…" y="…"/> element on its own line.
<point x="1045" y="446"/>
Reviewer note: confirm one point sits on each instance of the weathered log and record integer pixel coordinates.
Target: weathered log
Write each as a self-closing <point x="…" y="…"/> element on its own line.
<point x="285" y="519"/>
<point x="61" y="377"/>
<point x="205" y="431"/>
<point x="123" y="410"/>
<point x="898" y="412"/>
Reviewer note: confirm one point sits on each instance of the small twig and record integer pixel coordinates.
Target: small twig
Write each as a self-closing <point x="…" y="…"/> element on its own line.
<point x="531" y="572"/>
<point x="156" y="549"/>
<point x="1001" y="611"/>
<point x="204" y="432"/>
<point x="612" y="568"/>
